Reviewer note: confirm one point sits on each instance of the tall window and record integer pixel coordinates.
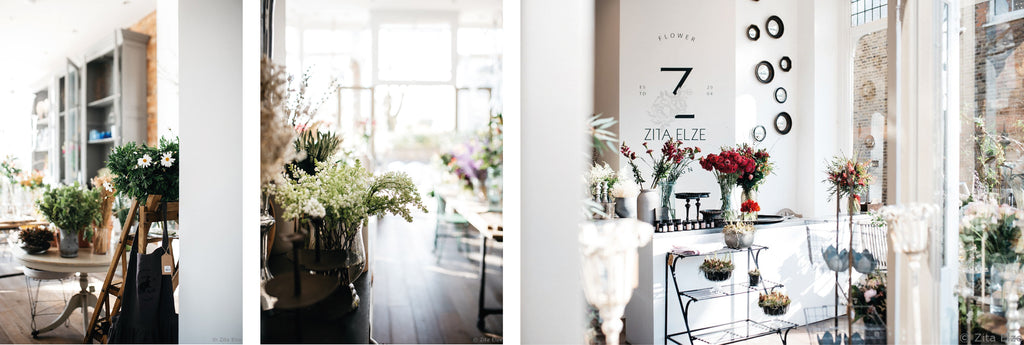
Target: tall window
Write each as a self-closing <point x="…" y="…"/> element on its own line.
<point x="866" y="11"/>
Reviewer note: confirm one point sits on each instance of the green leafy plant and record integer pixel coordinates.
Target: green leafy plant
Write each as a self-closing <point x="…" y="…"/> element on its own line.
<point x="35" y="236"/>
<point x="141" y="170"/>
<point x="9" y="169"/>
<point x="71" y="208"/>
<point x="313" y="147"/>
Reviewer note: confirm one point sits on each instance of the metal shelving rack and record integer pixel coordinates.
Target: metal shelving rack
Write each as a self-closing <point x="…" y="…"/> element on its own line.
<point x="731" y="332"/>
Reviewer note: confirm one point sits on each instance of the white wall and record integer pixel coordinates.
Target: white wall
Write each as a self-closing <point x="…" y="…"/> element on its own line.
<point x="167" y="67"/>
<point x="15" y="119"/>
<point x="696" y="34"/>
<point x="211" y="83"/>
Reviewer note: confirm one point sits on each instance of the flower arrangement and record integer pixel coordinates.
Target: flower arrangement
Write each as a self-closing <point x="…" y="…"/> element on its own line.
<point x="71" y="208"/>
<point x="461" y="161"/>
<point x="9" y="169"/>
<point x="675" y="159"/>
<point x="727" y="166"/>
<point x="847" y="177"/>
<point x="870" y="294"/>
<point x="103" y="184"/>
<point x="340" y="197"/>
<point x="717" y="269"/>
<point x="313" y="147"/>
<point x="750" y="208"/>
<point x="998" y="226"/>
<point x="625" y="188"/>
<point x="600" y="178"/>
<point x="276" y="133"/>
<point x="763" y="167"/>
<point x="774" y="303"/>
<point x="32" y="180"/>
<point x="492" y="147"/>
<point x="140" y="170"/>
<point x="36" y="237"/>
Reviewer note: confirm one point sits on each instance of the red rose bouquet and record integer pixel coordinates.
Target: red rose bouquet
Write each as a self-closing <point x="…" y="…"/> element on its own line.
<point x="762" y="168"/>
<point x="727" y="166"/>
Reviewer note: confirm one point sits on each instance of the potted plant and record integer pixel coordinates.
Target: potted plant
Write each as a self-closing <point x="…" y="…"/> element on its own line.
<point x="755" y="277"/>
<point x="35" y="240"/>
<point x="140" y="171"/>
<point x="774" y="303"/>
<point x="869" y="299"/>
<point x="665" y="170"/>
<point x="738" y="234"/>
<point x="72" y="209"/>
<point x="717" y="269"/>
<point x="625" y="193"/>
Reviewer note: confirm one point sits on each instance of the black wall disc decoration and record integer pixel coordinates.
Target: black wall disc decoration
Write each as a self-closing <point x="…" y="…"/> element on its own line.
<point x="783" y="123"/>
<point x="785" y="64"/>
<point x="781" y="95"/>
<point x="774" y="27"/>
<point x="764" y="72"/>
<point x="758" y="133"/>
<point x="753" y="33"/>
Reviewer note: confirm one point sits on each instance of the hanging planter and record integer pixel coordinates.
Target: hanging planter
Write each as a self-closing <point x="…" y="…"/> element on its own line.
<point x="717" y="269"/>
<point x="755" y="277"/>
<point x="774" y="303"/>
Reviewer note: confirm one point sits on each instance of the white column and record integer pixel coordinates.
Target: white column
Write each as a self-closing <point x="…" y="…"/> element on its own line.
<point x="557" y="68"/>
<point x="167" y="67"/>
<point x="211" y="64"/>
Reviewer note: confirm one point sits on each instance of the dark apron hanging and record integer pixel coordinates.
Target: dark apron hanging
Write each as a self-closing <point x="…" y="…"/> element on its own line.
<point x="147" y="303"/>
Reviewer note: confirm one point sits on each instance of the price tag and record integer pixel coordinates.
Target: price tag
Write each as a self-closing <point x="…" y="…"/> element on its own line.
<point x="167" y="264"/>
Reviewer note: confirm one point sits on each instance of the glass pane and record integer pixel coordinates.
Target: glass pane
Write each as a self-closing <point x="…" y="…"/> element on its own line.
<point x="415" y="52"/>
<point x="869" y="109"/>
<point x="479" y="41"/>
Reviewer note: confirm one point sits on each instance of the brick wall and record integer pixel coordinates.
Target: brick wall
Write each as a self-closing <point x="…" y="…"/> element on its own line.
<point x="147" y="25"/>
<point x="870" y="98"/>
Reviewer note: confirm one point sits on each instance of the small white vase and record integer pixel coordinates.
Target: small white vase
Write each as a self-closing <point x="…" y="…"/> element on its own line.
<point x="647" y="204"/>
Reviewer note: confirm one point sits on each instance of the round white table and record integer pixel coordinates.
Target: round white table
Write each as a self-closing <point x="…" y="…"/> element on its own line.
<point x="85" y="263"/>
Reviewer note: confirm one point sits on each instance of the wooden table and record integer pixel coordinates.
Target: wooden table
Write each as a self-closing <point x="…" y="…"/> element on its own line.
<point x="488" y="223"/>
<point x="85" y="263"/>
<point x="14" y="224"/>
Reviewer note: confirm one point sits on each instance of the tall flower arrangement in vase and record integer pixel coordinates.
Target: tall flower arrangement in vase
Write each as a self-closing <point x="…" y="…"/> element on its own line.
<point x="750" y="181"/>
<point x="847" y="178"/>
<point x="675" y="160"/>
<point x="728" y="166"/>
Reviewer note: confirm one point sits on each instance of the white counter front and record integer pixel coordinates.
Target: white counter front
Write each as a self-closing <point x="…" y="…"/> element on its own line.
<point x="787" y="260"/>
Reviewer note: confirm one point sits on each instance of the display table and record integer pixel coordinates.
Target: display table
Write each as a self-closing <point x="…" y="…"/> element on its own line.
<point x="14" y="224"/>
<point x="489" y="223"/>
<point x="85" y="263"/>
<point x="788" y="263"/>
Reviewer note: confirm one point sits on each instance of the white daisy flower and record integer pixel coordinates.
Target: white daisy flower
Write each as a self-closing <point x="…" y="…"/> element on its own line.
<point x="145" y="161"/>
<point x="166" y="160"/>
<point x="108" y="187"/>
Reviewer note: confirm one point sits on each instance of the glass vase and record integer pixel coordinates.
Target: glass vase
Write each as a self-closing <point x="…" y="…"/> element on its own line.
<point x="749" y="194"/>
<point x="494" y="188"/>
<point x="668" y="206"/>
<point x="726" y="198"/>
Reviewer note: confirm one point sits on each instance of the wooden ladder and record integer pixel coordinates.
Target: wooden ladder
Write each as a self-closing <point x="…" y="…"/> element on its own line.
<point x="148" y="214"/>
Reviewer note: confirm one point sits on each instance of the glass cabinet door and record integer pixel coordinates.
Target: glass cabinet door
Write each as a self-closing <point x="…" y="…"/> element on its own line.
<point x="71" y="147"/>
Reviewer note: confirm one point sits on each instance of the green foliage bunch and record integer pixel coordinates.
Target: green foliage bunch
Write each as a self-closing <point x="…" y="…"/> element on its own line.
<point x="35" y="236"/>
<point x="342" y="196"/>
<point x="71" y="208"/>
<point x="140" y="170"/>
<point x="313" y="147"/>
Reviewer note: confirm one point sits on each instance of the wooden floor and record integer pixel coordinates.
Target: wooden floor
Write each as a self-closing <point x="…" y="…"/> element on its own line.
<point x="15" y="317"/>
<point x="417" y="300"/>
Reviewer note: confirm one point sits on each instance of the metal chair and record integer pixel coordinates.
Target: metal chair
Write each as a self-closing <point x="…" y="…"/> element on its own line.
<point x="449" y="225"/>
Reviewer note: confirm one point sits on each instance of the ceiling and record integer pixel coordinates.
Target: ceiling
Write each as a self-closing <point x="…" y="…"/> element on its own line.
<point x="37" y="36"/>
<point x="357" y="12"/>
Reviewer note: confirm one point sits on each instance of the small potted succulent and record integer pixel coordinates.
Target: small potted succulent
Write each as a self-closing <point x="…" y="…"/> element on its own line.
<point x="73" y="210"/>
<point x="774" y="303"/>
<point x="35" y="240"/>
<point x="738" y="234"/>
<point x="717" y="269"/>
<point x="755" y="277"/>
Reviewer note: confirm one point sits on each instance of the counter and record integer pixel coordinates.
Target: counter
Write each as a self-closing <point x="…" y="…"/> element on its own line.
<point x="787" y="260"/>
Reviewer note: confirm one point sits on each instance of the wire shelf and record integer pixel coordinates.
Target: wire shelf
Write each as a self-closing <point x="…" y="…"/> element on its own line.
<point x="739" y="331"/>
<point x="729" y="290"/>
